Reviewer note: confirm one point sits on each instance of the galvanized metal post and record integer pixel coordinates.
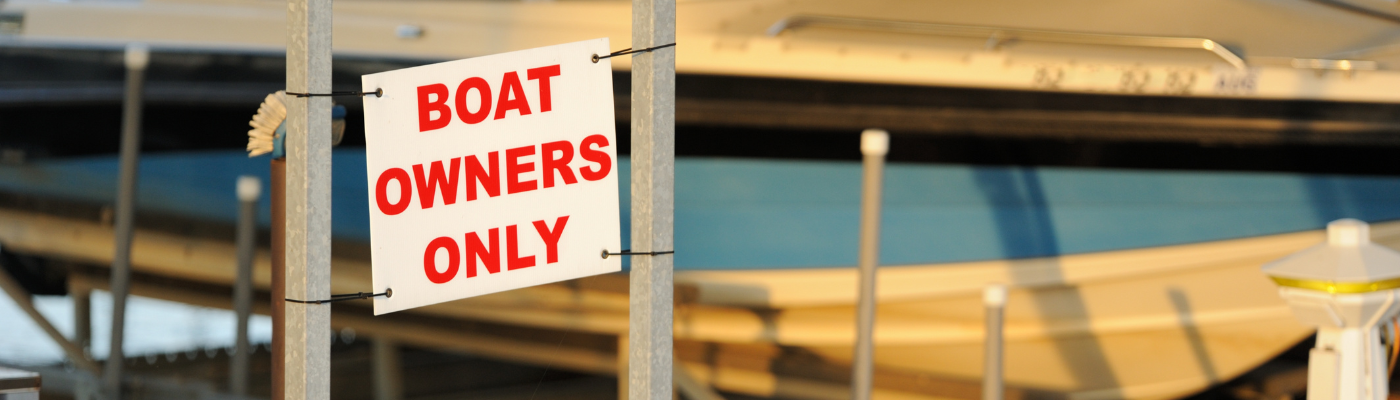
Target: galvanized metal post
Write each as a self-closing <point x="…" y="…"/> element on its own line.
<point x="81" y="292"/>
<point x="137" y="56"/>
<point x="308" y="218"/>
<point x="388" y="370"/>
<point x="874" y="143"/>
<point x="82" y="315"/>
<point x="994" y="297"/>
<point x="653" y="175"/>
<point x="248" y="190"/>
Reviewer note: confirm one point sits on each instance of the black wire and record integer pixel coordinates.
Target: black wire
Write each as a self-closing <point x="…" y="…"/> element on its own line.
<point x="631" y="253"/>
<point x="629" y="50"/>
<point x="376" y="93"/>
<point x="344" y="297"/>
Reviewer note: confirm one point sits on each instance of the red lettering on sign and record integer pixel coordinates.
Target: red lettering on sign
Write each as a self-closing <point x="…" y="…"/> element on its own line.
<point x="514" y="168"/>
<point x="549" y="164"/>
<point x="512" y="96"/>
<point x="543" y="74"/>
<point x="513" y="261"/>
<point x="491" y="180"/>
<point x="433" y="98"/>
<point x="551" y="238"/>
<point x="490" y="257"/>
<point x="381" y="191"/>
<point x="437" y="178"/>
<point x="426" y="107"/>
<point x="585" y="150"/>
<point x="443" y="176"/>
<point x="430" y="260"/>
<point x="483" y="90"/>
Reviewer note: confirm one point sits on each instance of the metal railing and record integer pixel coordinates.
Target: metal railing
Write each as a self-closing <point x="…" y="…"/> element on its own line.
<point x="997" y="36"/>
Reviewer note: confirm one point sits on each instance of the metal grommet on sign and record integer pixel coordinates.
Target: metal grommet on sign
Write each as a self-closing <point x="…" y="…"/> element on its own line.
<point x="388" y="293"/>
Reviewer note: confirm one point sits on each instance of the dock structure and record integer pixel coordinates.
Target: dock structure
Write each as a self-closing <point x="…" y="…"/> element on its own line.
<point x="19" y="384"/>
<point x="732" y="341"/>
<point x="1054" y="150"/>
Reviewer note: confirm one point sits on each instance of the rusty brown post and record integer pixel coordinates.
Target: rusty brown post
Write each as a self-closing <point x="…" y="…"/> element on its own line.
<point x="279" y="295"/>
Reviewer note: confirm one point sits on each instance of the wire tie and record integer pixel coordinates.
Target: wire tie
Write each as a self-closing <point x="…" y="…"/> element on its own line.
<point x="376" y="93"/>
<point x="343" y="297"/>
<point x="629" y="50"/>
<point x="631" y="253"/>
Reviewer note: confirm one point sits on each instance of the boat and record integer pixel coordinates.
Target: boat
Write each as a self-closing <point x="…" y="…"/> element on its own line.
<point x="1131" y="275"/>
<point x="1173" y="303"/>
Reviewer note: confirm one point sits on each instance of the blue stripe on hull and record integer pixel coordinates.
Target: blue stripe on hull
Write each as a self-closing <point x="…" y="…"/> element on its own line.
<point x="742" y="213"/>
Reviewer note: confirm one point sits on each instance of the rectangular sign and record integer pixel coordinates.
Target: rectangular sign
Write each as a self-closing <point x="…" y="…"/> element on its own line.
<point x="491" y="173"/>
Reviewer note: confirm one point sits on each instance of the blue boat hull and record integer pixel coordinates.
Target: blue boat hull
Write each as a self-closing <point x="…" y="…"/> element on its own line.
<point x="771" y="214"/>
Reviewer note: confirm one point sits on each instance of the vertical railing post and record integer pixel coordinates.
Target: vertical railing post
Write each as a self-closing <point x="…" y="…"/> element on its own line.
<point x="308" y="219"/>
<point x="994" y="297"/>
<point x="136" y="58"/>
<point x="874" y="143"/>
<point x="249" y="188"/>
<point x="278" y="204"/>
<point x="622" y="359"/>
<point x="388" y="370"/>
<point x="653" y="188"/>
<point x="81" y="293"/>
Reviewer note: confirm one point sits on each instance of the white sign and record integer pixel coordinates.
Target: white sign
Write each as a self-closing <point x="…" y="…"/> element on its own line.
<point x="490" y="174"/>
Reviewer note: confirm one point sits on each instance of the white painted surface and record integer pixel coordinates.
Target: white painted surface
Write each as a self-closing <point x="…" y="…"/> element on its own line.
<point x="579" y="109"/>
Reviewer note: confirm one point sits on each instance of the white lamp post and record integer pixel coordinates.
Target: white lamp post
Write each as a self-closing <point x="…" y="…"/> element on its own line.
<point x="1345" y="287"/>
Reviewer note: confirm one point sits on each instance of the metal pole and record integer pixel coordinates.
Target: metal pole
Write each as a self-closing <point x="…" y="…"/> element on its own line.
<point x="81" y="292"/>
<point x="279" y="276"/>
<point x="248" y="190"/>
<point x="82" y="315"/>
<point x="388" y="371"/>
<point x="874" y="143"/>
<point x="622" y="355"/>
<point x="994" y="297"/>
<point x="136" y="59"/>
<point x="308" y="145"/>
<point x="653" y="166"/>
